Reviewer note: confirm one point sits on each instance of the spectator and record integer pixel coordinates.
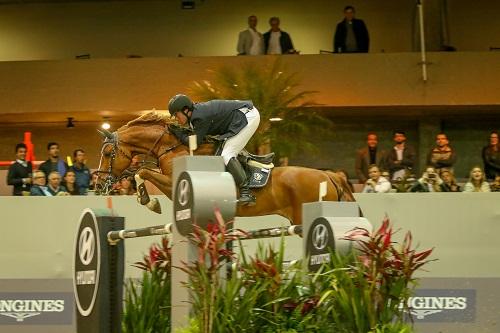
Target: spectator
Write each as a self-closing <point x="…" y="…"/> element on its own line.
<point x="250" y="41"/>
<point x="342" y="173"/>
<point x="449" y="181"/>
<point x="367" y="156"/>
<point x="81" y="171"/>
<point x="55" y="188"/>
<point x="39" y="188"/>
<point x="351" y="34"/>
<point x="376" y="183"/>
<point x="477" y="181"/>
<point x="126" y="187"/>
<point x="19" y="174"/>
<point x="401" y="159"/>
<point x="495" y="185"/>
<point x="277" y="41"/>
<point x="442" y="156"/>
<point x="53" y="163"/>
<point x="70" y="183"/>
<point x="93" y="181"/>
<point x="491" y="157"/>
<point x="429" y="182"/>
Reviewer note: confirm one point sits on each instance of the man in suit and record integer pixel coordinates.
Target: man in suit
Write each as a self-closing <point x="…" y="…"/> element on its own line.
<point x="233" y="120"/>
<point x="351" y="35"/>
<point x="277" y="41"/>
<point x="369" y="155"/>
<point x="250" y="41"/>
<point x="19" y="174"/>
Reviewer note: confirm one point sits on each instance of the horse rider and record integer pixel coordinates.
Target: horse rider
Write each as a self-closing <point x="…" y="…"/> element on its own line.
<point x="232" y="120"/>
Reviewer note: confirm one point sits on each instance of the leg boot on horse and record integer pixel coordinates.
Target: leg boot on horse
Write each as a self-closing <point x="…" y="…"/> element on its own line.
<point x="240" y="178"/>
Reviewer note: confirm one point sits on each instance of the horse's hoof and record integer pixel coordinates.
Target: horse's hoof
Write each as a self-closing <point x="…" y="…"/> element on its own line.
<point x="154" y="205"/>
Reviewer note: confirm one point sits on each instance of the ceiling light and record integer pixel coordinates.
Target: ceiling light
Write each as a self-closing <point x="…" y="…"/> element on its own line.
<point x="70" y="123"/>
<point x="105" y="125"/>
<point x="276" y="119"/>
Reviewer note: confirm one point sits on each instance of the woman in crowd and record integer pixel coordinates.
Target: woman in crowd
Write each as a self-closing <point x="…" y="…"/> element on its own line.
<point x="70" y="183"/>
<point x="495" y="186"/>
<point x="429" y="182"/>
<point x="38" y="187"/>
<point x="126" y="187"/>
<point x="477" y="181"/>
<point x="449" y="181"/>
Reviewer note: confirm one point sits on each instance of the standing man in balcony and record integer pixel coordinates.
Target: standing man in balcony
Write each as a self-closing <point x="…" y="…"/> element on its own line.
<point x="19" y="174"/>
<point x="400" y="160"/>
<point x="277" y="41"/>
<point x="369" y="155"/>
<point x="250" y="41"/>
<point x="54" y="163"/>
<point x="442" y="156"/>
<point x="351" y="35"/>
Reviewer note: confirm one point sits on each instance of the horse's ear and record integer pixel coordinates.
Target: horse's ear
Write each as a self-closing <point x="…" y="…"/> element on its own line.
<point x="106" y="134"/>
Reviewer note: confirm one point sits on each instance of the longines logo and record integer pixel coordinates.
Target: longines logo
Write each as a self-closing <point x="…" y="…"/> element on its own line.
<point x="35" y="308"/>
<point x="443" y="305"/>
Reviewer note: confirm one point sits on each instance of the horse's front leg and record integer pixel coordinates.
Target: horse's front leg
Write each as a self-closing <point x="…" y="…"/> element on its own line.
<point x="162" y="182"/>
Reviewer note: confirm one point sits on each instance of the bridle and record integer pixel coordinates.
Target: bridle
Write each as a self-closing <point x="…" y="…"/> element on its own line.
<point x="113" y="139"/>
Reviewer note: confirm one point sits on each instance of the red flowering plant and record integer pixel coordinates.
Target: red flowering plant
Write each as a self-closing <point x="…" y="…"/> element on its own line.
<point x="147" y="300"/>
<point x="367" y="290"/>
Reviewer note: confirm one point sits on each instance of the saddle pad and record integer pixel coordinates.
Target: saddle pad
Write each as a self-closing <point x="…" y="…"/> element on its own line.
<point x="258" y="176"/>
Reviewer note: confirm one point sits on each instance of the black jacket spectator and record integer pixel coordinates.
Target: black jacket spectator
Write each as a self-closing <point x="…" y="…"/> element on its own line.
<point x="285" y="42"/>
<point x="15" y="176"/>
<point x="360" y="33"/>
<point x="48" y="166"/>
<point x="491" y="160"/>
<point x="408" y="161"/>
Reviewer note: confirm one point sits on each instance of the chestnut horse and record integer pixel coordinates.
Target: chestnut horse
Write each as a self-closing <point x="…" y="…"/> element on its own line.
<point x="287" y="189"/>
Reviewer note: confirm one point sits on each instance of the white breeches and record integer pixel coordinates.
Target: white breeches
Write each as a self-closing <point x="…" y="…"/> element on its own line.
<point x="236" y="143"/>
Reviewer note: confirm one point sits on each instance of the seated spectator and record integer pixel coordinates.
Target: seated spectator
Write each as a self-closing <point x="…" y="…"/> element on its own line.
<point x="93" y="181"/>
<point x="495" y="186"/>
<point x="82" y="172"/>
<point x="126" y="186"/>
<point x="277" y="41"/>
<point x="342" y="173"/>
<point x="19" y="174"/>
<point x="429" y="182"/>
<point x="55" y="188"/>
<point x="376" y="183"/>
<point x="403" y="185"/>
<point x="491" y="157"/>
<point x="38" y="188"/>
<point x="442" y="156"/>
<point x="351" y="34"/>
<point x="449" y="180"/>
<point x="367" y="156"/>
<point x="250" y="41"/>
<point x="401" y="159"/>
<point x="70" y="183"/>
<point x="477" y="181"/>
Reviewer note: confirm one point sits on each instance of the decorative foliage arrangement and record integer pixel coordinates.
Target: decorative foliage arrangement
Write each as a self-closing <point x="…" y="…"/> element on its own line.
<point x="363" y="292"/>
<point x="275" y="92"/>
<point x="147" y="302"/>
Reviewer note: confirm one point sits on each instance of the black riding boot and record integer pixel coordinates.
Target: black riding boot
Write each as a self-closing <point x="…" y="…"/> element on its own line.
<point x="240" y="178"/>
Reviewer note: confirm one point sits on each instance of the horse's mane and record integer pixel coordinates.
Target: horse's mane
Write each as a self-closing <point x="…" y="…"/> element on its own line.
<point x="151" y="118"/>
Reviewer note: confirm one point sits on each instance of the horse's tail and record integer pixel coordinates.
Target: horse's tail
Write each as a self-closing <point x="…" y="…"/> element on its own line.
<point x="342" y="187"/>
